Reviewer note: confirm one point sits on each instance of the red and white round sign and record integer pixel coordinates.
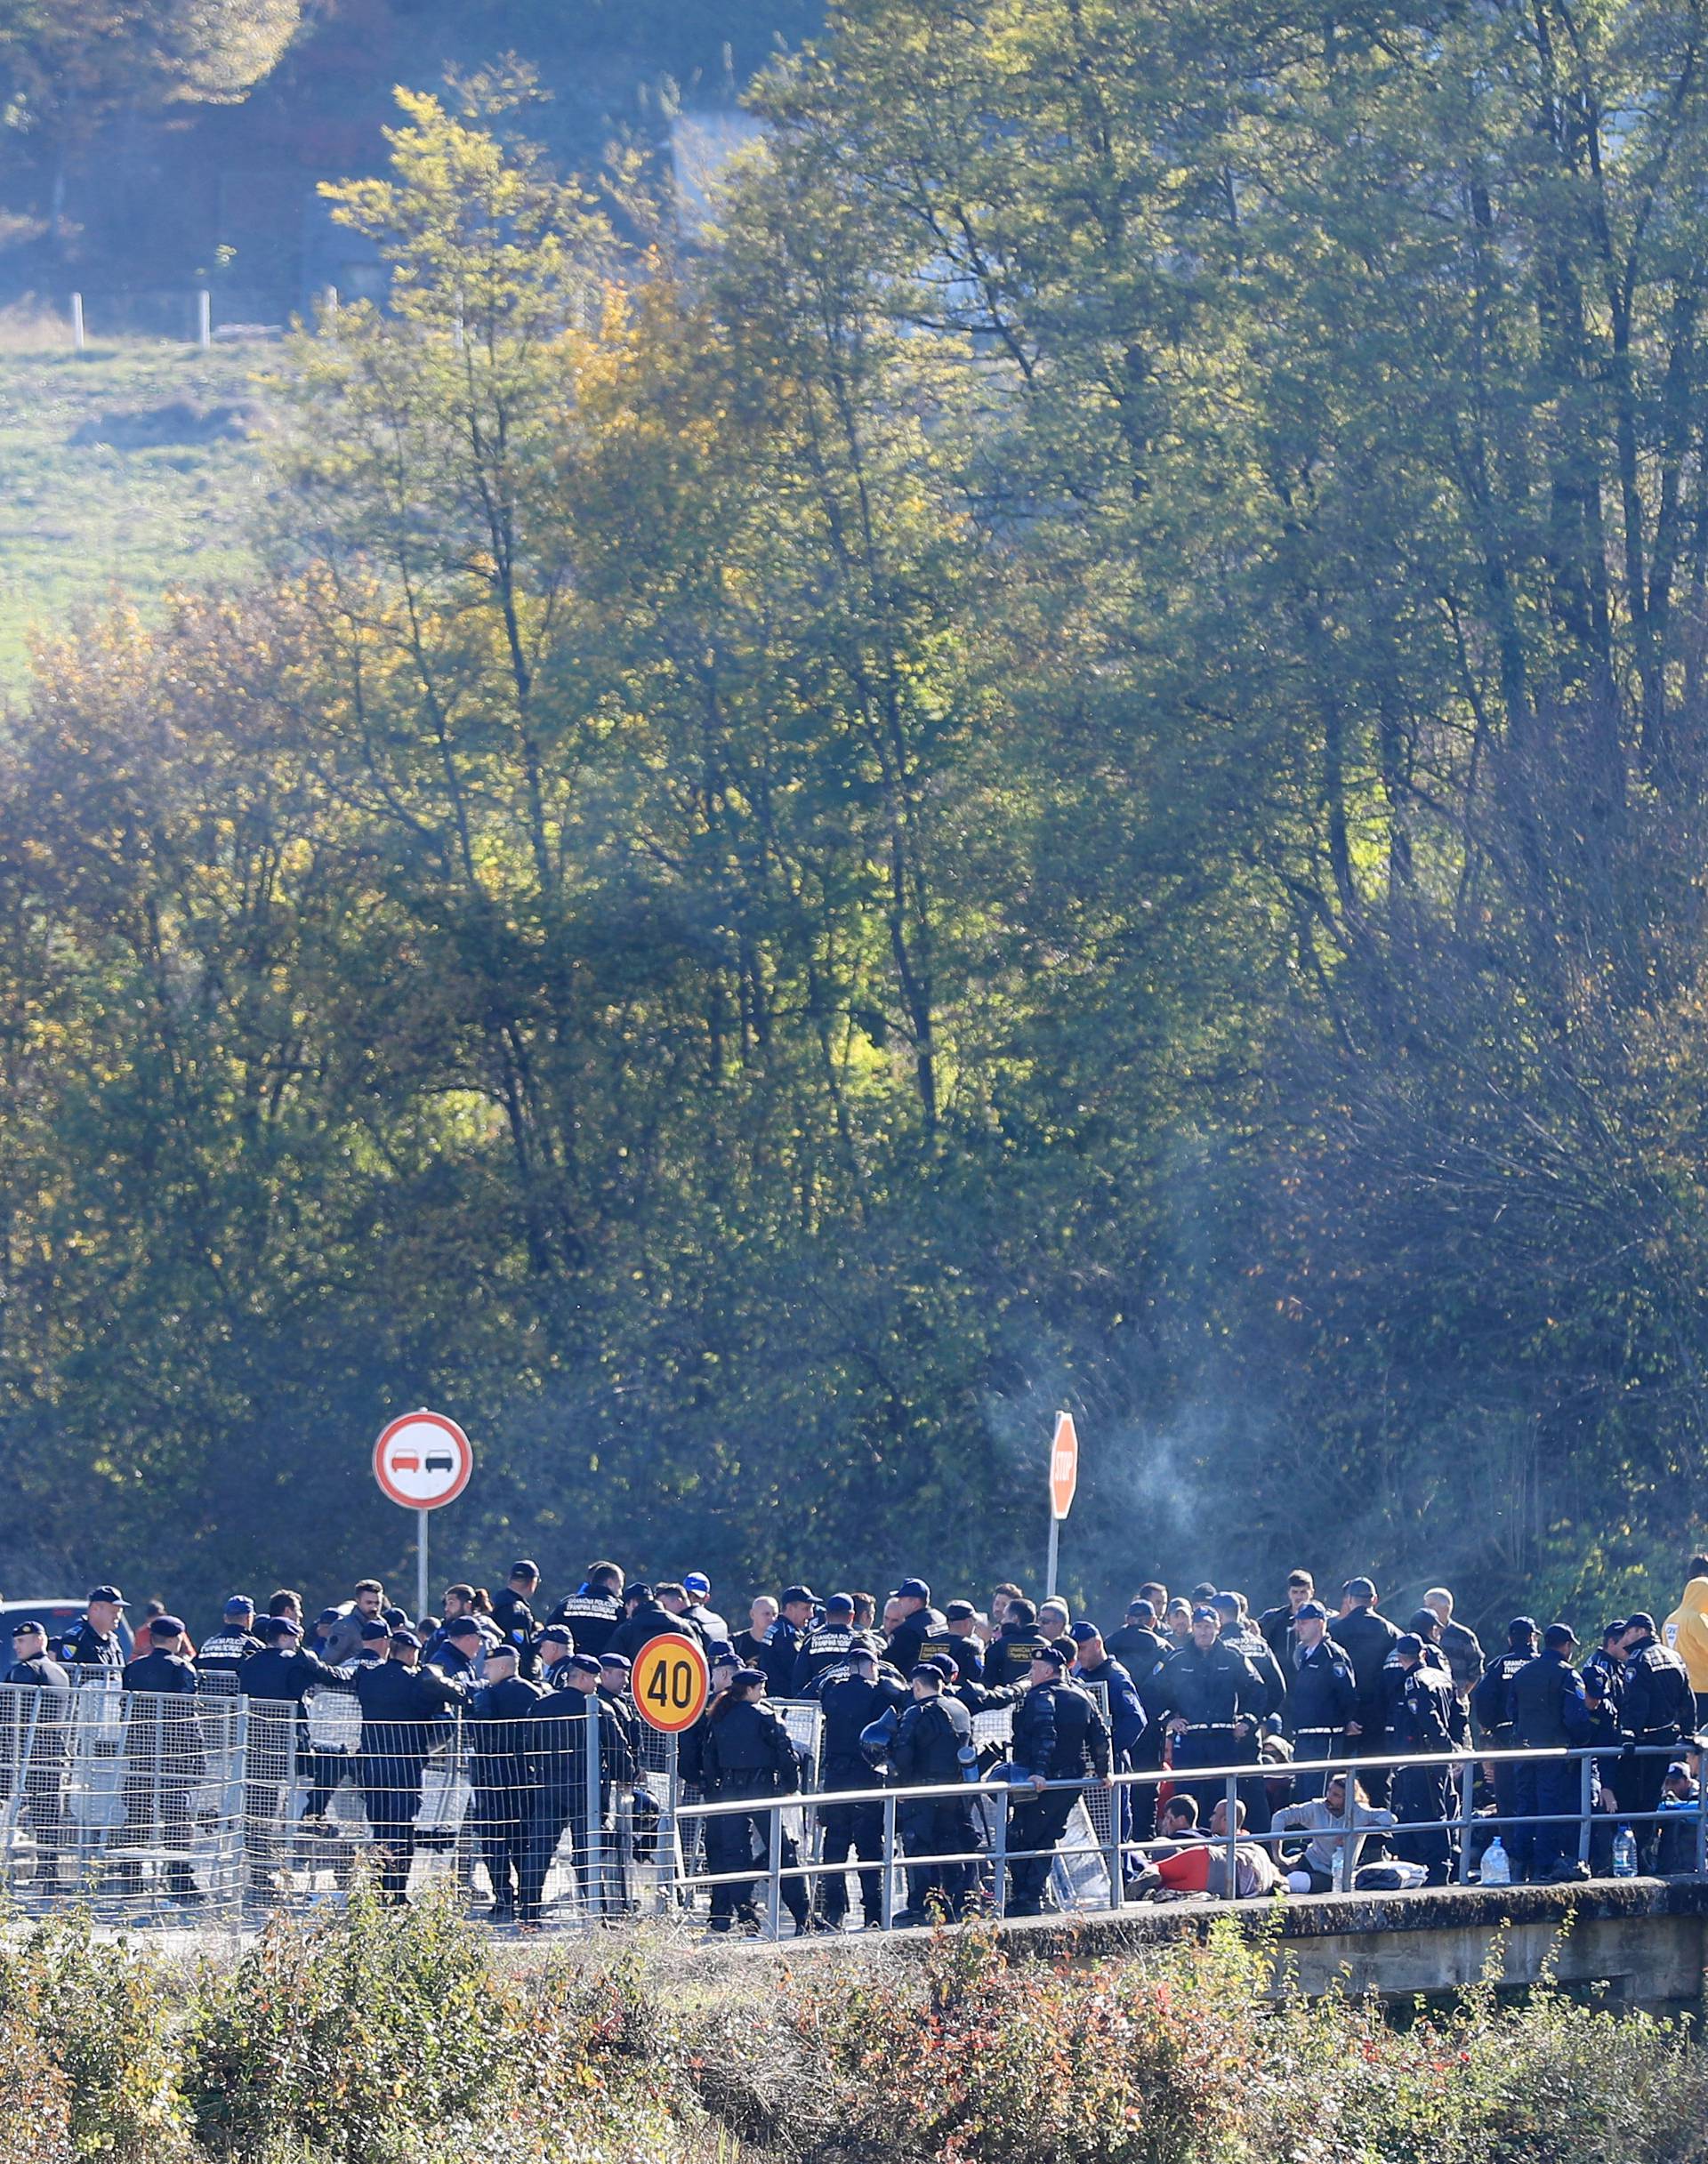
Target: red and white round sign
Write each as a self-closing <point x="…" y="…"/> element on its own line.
<point x="421" y="1459"/>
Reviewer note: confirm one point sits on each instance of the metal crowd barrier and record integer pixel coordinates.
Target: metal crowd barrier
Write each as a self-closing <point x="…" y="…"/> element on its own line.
<point x="218" y="1809"/>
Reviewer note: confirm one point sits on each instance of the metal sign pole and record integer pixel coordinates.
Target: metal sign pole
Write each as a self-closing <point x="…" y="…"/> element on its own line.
<point x="420" y="1563"/>
<point x="1050" y="1565"/>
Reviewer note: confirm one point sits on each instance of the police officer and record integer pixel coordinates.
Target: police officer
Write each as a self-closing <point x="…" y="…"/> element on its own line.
<point x="512" y="1612"/>
<point x="163" y="1744"/>
<point x="43" y="1745"/>
<point x="1546" y="1710"/>
<point x="1008" y="1658"/>
<point x="1138" y="1644"/>
<point x="461" y="1650"/>
<point x="1366" y="1637"/>
<point x="1428" y="1717"/>
<point x="504" y="1774"/>
<point x="278" y="1675"/>
<point x="403" y="1707"/>
<point x="933" y="1746"/>
<point x="824" y="1646"/>
<point x="1490" y="1709"/>
<point x="1211" y="1699"/>
<point x="573" y="1730"/>
<point x="1238" y="1631"/>
<point x="647" y="1617"/>
<point x="1604" y="1681"/>
<point x="747" y="1756"/>
<point x="1322" y="1695"/>
<point x="852" y="1702"/>
<point x="956" y="1642"/>
<point x="1656" y="1710"/>
<point x="712" y="1626"/>
<point x="94" y="1641"/>
<point x="226" y="1650"/>
<point x="919" y="1621"/>
<point x="1058" y="1735"/>
<point x="786" y="1639"/>
<point x="593" y="1611"/>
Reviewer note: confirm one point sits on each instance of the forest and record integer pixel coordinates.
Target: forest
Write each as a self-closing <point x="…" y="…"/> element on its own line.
<point x="1061" y="762"/>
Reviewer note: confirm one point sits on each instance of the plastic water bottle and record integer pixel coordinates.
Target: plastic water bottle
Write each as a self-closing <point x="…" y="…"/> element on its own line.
<point x="1497" y="1865"/>
<point x="1624" y="1854"/>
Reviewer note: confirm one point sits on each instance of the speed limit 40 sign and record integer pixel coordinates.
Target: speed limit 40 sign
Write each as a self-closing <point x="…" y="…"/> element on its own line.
<point x="671" y="1682"/>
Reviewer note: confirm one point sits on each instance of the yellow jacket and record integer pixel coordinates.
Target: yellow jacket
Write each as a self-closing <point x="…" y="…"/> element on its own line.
<point x="1686" y="1631"/>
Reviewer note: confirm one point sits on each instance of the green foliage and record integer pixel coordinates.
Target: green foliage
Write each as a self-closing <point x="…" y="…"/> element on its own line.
<point x="1063" y="766"/>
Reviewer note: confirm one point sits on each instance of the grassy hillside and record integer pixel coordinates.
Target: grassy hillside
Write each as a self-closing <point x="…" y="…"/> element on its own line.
<point x="78" y="518"/>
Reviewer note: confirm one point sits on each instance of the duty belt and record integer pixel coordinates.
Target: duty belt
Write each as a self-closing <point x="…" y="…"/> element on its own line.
<point x="1211" y="1727"/>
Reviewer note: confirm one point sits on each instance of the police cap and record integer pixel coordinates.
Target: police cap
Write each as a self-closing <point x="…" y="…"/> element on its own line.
<point x="109" y="1593"/>
<point x="1310" y="1608"/>
<point x="277" y="1626"/>
<point x="1639" y="1621"/>
<point x="913" y="1588"/>
<point x="557" y="1634"/>
<point x="524" y="1567"/>
<point x="166" y="1627"/>
<point x="799" y="1594"/>
<point x="27" y="1627"/>
<point x="928" y="1671"/>
<point x="620" y="1661"/>
<point x="462" y="1627"/>
<point x="1359" y="1588"/>
<point x="1615" y="1630"/>
<point x="405" y="1637"/>
<point x="1082" y="1633"/>
<point x="396" y="1617"/>
<point x="327" y="1618"/>
<point x="721" y="1649"/>
<point x="839" y="1603"/>
<point x="1050" y="1655"/>
<point x="1206" y="1615"/>
<point x="1225" y="1604"/>
<point x="943" y="1666"/>
<point x="584" y="1664"/>
<point x="1425" y="1623"/>
<point x="1558" y="1637"/>
<point x="960" y="1611"/>
<point x="503" y="1651"/>
<point x="1520" y="1629"/>
<point x="637" y="1589"/>
<point x="1410" y="1644"/>
<point x="371" y="1630"/>
<point x="239" y="1604"/>
<point x="746" y="1675"/>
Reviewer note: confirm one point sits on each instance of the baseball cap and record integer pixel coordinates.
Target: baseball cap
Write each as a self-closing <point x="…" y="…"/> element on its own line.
<point x="1311" y="1607"/>
<point x="720" y="1649"/>
<point x="1522" y="1627"/>
<point x="110" y="1593"/>
<point x="1053" y="1654"/>
<point x="1408" y="1643"/>
<point x="637" y="1589"/>
<point x="751" y="1675"/>
<point x="327" y="1618"/>
<point x="799" y="1593"/>
<point x="239" y="1604"/>
<point x="524" y="1567"/>
<point x="462" y="1627"/>
<point x="839" y="1603"/>
<point x="1558" y="1636"/>
<point x="25" y="1625"/>
<point x="960" y="1612"/>
<point x="405" y="1637"/>
<point x="1082" y="1633"/>
<point x="557" y="1634"/>
<point x="913" y="1588"/>
<point x="371" y="1629"/>
<point x="928" y="1668"/>
<point x="696" y="1581"/>
<point x="280" y="1626"/>
<point x="1202" y="1614"/>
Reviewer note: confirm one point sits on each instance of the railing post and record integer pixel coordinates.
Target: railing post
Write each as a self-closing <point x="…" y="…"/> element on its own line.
<point x="1343" y="1873"/>
<point x="774" y="1869"/>
<point x="1467" y="1819"/>
<point x="1586" y="1806"/>
<point x="1231" y="1802"/>
<point x="592" y="1853"/>
<point x="887" y="1892"/>
<point x="999" y="1853"/>
<point x="1118" y="1805"/>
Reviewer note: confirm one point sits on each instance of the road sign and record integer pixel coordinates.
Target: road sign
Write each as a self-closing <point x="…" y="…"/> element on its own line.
<point x="422" y="1460"/>
<point x="669" y="1681"/>
<point x="1064" y="1466"/>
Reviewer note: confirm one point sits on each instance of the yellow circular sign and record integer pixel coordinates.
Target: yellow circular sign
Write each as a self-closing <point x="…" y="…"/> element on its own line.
<point x="671" y="1682"/>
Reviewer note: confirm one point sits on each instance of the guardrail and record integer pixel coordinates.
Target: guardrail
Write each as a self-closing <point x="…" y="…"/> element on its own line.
<point x="225" y="1807"/>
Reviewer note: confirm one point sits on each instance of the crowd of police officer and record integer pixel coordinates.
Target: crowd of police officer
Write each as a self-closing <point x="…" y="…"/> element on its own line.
<point x="1188" y="1683"/>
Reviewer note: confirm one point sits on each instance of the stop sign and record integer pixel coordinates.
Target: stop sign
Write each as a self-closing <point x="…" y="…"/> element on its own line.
<point x="1064" y="1466"/>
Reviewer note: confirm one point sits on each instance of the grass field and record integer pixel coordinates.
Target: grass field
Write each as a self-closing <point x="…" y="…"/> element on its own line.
<point x="77" y="520"/>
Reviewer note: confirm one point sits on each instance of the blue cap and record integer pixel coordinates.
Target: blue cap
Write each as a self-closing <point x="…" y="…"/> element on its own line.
<point x="167" y="1626"/>
<point x="721" y="1649"/>
<point x="239" y="1604"/>
<point x="913" y="1588"/>
<point x="696" y="1581"/>
<point x="1081" y="1632"/>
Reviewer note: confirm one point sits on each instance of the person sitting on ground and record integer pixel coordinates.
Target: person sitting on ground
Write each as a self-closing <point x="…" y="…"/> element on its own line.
<point x="1322" y="1818"/>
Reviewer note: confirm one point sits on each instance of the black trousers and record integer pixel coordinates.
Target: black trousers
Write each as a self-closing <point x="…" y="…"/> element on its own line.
<point x="502" y="1836"/>
<point x="941" y="1828"/>
<point x="1038" y="1822"/>
<point x="1539" y="1790"/>
<point x="852" y="1830"/>
<point x="1639" y="1782"/>
<point x="391" y="1797"/>
<point x="1211" y="1747"/>
<point x="1422" y="1798"/>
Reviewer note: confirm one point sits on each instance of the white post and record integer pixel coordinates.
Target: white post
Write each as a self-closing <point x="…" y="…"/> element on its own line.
<point x="203" y="318"/>
<point x="76" y="323"/>
<point x="420" y="1564"/>
<point x="1050" y="1565"/>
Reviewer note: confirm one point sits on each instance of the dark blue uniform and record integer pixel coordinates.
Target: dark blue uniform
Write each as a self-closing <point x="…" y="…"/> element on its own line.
<point x="163" y="1741"/>
<point x="1427" y="1717"/>
<point x="1545" y="1710"/>
<point x="1060" y="1733"/>
<point x="746" y="1754"/>
<point x="403" y="1711"/>
<point x="1322" y="1698"/>
<point x="850" y="1704"/>
<point x="84" y="1646"/>
<point x="930" y="1739"/>
<point x="504" y="1773"/>
<point x="1657" y="1709"/>
<point x="1221" y="1698"/>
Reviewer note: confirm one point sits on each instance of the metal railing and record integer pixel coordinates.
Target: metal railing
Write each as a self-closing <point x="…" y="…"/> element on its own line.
<point x="155" y="1808"/>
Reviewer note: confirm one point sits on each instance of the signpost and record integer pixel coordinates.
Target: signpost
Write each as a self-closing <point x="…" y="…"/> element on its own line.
<point x="422" y="1461"/>
<point x="1064" y="1478"/>
<point x="670" y="1682"/>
